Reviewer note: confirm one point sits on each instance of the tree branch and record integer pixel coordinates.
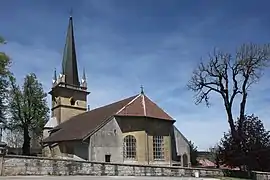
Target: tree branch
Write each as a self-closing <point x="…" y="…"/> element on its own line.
<point x="230" y="77"/>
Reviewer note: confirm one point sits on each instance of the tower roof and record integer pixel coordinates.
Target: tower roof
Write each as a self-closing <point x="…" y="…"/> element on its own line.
<point x="69" y="64"/>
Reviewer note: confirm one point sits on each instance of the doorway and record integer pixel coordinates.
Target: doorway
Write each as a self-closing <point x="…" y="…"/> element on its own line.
<point x="107" y="158"/>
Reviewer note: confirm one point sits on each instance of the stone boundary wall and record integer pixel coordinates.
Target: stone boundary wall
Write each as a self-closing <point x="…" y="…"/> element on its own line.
<point x="24" y="165"/>
<point x="261" y="175"/>
<point x="11" y="165"/>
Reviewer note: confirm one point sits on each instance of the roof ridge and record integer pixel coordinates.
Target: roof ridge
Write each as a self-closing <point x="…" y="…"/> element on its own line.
<point x="127" y="104"/>
<point x="161" y="108"/>
<point x="143" y="103"/>
<point x="109" y="104"/>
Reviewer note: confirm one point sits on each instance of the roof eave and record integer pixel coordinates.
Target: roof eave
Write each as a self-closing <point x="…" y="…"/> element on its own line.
<point x="170" y="120"/>
<point x="58" y="141"/>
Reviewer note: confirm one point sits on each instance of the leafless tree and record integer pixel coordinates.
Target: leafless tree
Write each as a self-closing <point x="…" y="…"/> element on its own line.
<point x="230" y="76"/>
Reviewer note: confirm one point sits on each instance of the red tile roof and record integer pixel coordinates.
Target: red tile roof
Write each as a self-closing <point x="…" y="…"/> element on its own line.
<point x="143" y="106"/>
<point x="206" y="163"/>
<point x="82" y="125"/>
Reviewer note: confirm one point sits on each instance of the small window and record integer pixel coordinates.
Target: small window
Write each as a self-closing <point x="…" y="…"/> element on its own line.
<point x="72" y="101"/>
<point x="107" y="158"/>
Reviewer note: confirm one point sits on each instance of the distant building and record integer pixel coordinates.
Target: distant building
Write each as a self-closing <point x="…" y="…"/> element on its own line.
<point x="206" y="160"/>
<point x="131" y="130"/>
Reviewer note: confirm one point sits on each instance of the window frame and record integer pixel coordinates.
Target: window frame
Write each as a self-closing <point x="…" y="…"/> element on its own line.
<point x="158" y="148"/>
<point x="130" y="147"/>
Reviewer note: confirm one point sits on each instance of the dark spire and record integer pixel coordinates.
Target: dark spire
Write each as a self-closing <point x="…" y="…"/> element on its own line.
<point x="69" y="64"/>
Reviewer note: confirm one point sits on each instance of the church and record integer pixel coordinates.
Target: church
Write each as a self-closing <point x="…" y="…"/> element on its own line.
<point x="131" y="130"/>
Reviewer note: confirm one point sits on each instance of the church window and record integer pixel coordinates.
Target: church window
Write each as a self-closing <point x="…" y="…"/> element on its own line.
<point x="129" y="147"/>
<point x="158" y="148"/>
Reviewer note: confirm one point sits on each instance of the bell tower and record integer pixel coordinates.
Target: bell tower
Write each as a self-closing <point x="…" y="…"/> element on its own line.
<point x="69" y="95"/>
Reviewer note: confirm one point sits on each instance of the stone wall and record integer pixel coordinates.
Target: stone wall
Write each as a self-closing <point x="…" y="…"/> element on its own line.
<point x="22" y="165"/>
<point x="261" y="175"/>
<point x="106" y="141"/>
<point x="19" y="165"/>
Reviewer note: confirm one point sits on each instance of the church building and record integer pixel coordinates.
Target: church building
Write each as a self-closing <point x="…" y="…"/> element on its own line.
<point x="131" y="130"/>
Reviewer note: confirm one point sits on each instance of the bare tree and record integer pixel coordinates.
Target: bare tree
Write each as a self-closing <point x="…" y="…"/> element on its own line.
<point x="230" y="76"/>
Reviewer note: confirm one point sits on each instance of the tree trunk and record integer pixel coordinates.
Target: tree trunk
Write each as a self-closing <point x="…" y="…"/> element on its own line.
<point x="26" y="142"/>
<point x="230" y="120"/>
<point x="242" y="111"/>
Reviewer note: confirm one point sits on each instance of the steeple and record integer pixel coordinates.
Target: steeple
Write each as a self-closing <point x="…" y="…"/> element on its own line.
<point x="69" y="95"/>
<point x="69" y="63"/>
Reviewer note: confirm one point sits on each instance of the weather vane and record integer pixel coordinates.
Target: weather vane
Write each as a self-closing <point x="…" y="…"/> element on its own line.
<point x="142" y="92"/>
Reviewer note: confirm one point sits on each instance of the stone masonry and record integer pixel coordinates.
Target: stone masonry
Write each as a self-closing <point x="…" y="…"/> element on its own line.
<point x="20" y="165"/>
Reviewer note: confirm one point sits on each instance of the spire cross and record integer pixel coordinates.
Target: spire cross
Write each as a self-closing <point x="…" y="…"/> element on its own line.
<point x="142" y="91"/>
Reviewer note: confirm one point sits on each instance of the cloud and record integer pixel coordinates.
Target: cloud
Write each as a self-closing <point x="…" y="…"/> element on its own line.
<point x="122" y="48"/>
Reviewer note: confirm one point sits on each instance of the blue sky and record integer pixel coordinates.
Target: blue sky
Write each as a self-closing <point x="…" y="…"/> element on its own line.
<point x="123" y="44"/>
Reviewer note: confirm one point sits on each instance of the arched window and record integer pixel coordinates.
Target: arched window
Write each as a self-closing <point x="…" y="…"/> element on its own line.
<point x="129" y="147"/>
